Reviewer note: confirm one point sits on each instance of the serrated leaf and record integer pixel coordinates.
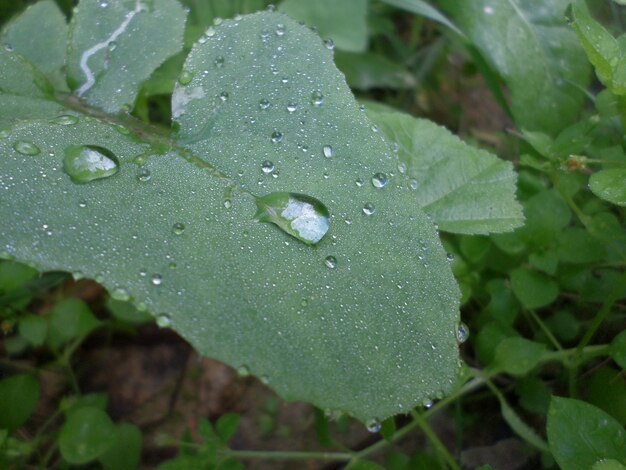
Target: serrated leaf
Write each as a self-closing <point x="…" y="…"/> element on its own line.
<point x="531" y="46"/>
<point x="115" y="45"/>
<point x="580" y="434"/>
<point x="463" y="189"/>
<point x="610" y="185"/>
<point x="41" y="23"/>
<point x="372" y="336"/>
<point x="344" y="22"/>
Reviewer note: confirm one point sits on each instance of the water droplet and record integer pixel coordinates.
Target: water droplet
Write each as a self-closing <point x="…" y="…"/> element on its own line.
<point x="271" y="8"/>
<point x="185" y="77"/>
<point x="163" y="320"/>
<point x="330" y="45"/>
<point x="119" y="293"/>
<point x="82" y="204"/>
<point x="217" y="21"/>
<point x="8" y="47"/>
<point x="112" y="46"/>
<point x="178" y="228"/>
<point x="360" y="182"/>
<point x="330" y="262"/>
<point x="291" y="107"/>
<point x="412" y="184"/>
<point x="427" y="404"/>
<point x="304" y="302"/>
<point x="328" y="151"/>
<point x="65" y="120"/>
<point x="317" y="99"/>
<point x="265" y="379"/>
<point x="210" y="32"/>
<point x="462" y="333"/>
<point x="264" y="104"/>
<point x="143" y="175"/>
<point x="488" y="10"/>
<point x="4" y="134"/>
<point x="84" y="163"/>
<point x="277" y="137"/>
<point x="156" y="279"/>
<point x="223" y="96"/>
<point x="374" y="128"/>
<point x="219" y="61"/>
<point x="373" y="425"/>
<point x="228" y="204"/>
<point x="243" y="371"/>
<point x="450" y="257"/>
<point x="402" y="167"/>
<point x="280" y="30"/>
<point x="265" y="36"/>
<point x="267" y="167"/>
<point x="26" y="148"/>
<point x="369" y="209"/>
<point x="299" y="215"/>
<point x="379" y="180"/>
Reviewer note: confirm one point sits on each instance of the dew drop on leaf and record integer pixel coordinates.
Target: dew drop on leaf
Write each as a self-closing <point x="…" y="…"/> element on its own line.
<point x="143" y="175"/>
<point x="280" y="30"/>
<point x="317" y="99"/>
<point x="267" y="167"/>
<point x="163" y="320"/>
<point x="243" y="371"/>
<point x="427" y="404"/>
<point x="328" y="151"/>
<point x="219" y="61"/>
<point x="373" y="425"/>
<point x="330" y="262"/>
<point x="330" y="45"/>
<point x="84" y="163"/>
<point x="292" y="107"/>
<point x="264" y="104"/>
<point x="277" y="137"/>
<point x="228" y="204"/>
<point x="369" y="209"/>
<point x="156" y="279"/>
<point x="462" y="333"/>
<point x="185" y="77"/>
<point x="379" y="180"/>
<point x="178" y="228"/>
<point x="360" y="182"/>
<point x="299" y="215"/>
<point x="119" y="293"/>
<point x="26" y="148"/>
<point x="65" y="120"/>
<point x="412" y="184"/>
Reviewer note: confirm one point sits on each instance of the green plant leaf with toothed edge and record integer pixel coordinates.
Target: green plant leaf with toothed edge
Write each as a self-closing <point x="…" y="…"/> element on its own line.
<point x="361" y="319"/>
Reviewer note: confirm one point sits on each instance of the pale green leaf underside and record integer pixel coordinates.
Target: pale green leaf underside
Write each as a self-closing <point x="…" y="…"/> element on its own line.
<point x="463" y="189"/>
<point x="112" y="47"/>
<point x="371" y="337"/>
<point x="531" y="46"/>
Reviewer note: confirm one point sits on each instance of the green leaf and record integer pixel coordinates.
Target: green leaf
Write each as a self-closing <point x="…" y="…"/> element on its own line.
<point x="577" y="245"/>
<point x="606" y="389"/>
<point x="608" y="464"/>
<point x="71" y="319"/>
<point x="20" y="394"/>
<point x="41" y="23"/>
<point x="618" y="349"/>
<point x="534" y="289"/>
<point x="370" y="70"/>
<point x="182" y="242"/>
<point x="226" y="426"/>
<point x="531" y="47"/>
<point x="580" y="434"/>
<point x="422" y="8"/>
<point x="33" y="328"/>
<point x="518" y="356"/>
<point x="610" y="185"/>
<point x="86" y="435"/>
<point x="463" y="189"/>
<point x="14" y="275"/>
<point x="124" y="452"/>
<point x="104" y="61"/>
<point x="344" y="22"/>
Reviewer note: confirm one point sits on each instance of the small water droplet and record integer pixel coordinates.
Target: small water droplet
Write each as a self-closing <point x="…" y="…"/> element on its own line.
<point x="462" y="333"/>
<point x="185" y="77"/>
<point x="450" y="257"/>
<point x="265" y="379"/>
<point x="488" y="10"/>
<point x="82" y="204"/>
<point x="280" y="30"/>
<point x="217" y="21"/>
<point x="267" y="167"/>
<point x="291" y="107"/>
<point x="271" y="8"/>
<point x="374" y="128"/>
<point x="330" y="262"/>
<point x="402" y="168"/>
<point x="119" y="293"/>
<point x="4" y="134"/>
<point x="112" y="46"/>
<point x="26" y="148"/>
<point x="210" y="32"/>
<point x="360" y="182"/>
<point x="369" y="209"/>
<point x="143" y="175"/>
<point x="412" y="184"/>
<point x="264" y="104"/>
<point x="156" y="279"/>
<point x="243" y="371"/>
<point x="427" y="404"/>
<point x="299" y="215"/>
<point x="265" y="36"/>
<point x="178" y="228"/>
<point x="228" y="204"/>
<point x="328" y="151"/>
<point x="84" y="163"/>
<point x="277" y="137"/>
<point x="219" y="61"/>
<point x="163" y="320"/>
<point x="65" y="120"/>
<point x="373" y="425"/>
<point x="8" y="47"/>
<point x="330" y="45"/>
<point x="317" y="99"/>
<point x="379" y="180"/>
<point x="223" y="96"/>
<point x="304" y="302"/>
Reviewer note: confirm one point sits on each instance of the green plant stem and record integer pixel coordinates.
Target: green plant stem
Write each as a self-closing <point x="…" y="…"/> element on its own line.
<point x="567" y="354"/>
<point x="604" y="312"/>
<point x="545" y="329"/>
<point x="286" y="455"/>
<point x="439" y="447"/>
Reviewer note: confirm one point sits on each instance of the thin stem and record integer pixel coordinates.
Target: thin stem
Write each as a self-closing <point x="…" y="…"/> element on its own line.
<point x="545" y="329"/>
<point x="439" y="447"/>
<point x="288" y="455"/>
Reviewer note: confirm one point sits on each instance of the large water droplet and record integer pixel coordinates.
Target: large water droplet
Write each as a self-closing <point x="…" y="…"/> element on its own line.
<point x="292" y="107"/>
<point x="373" y="425"/>
<point x="267" y="167"/>
<point x="328" y="151"/>
<point x="26" y="148"/>
<point x="156" y="279"/>
<point x="369" y="209"/>
<point x="462" y="333"/>
<point x="143" y="175"/>
<point x="299" y="215"/>
<point x="178" y="228"/>
<point x="277" y="137"/>
<point x="330" y="262"/>
<point x="119" y="293"/>
<point x="330" y="45"/>
<point x="379" y="180"/>
<point x="65" y="120"/>
<point x="185" y="77"/>
<point x="84" y="163"/>
<point x="163" y="320"/>
<point x="280" y="30"/>
<point x="264" y="104"/>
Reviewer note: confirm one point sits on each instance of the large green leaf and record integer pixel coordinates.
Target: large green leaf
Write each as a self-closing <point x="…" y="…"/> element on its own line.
<point x="364" y="321"/>
<point x="463" y="189"/>
<point x="529" y="43"/>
